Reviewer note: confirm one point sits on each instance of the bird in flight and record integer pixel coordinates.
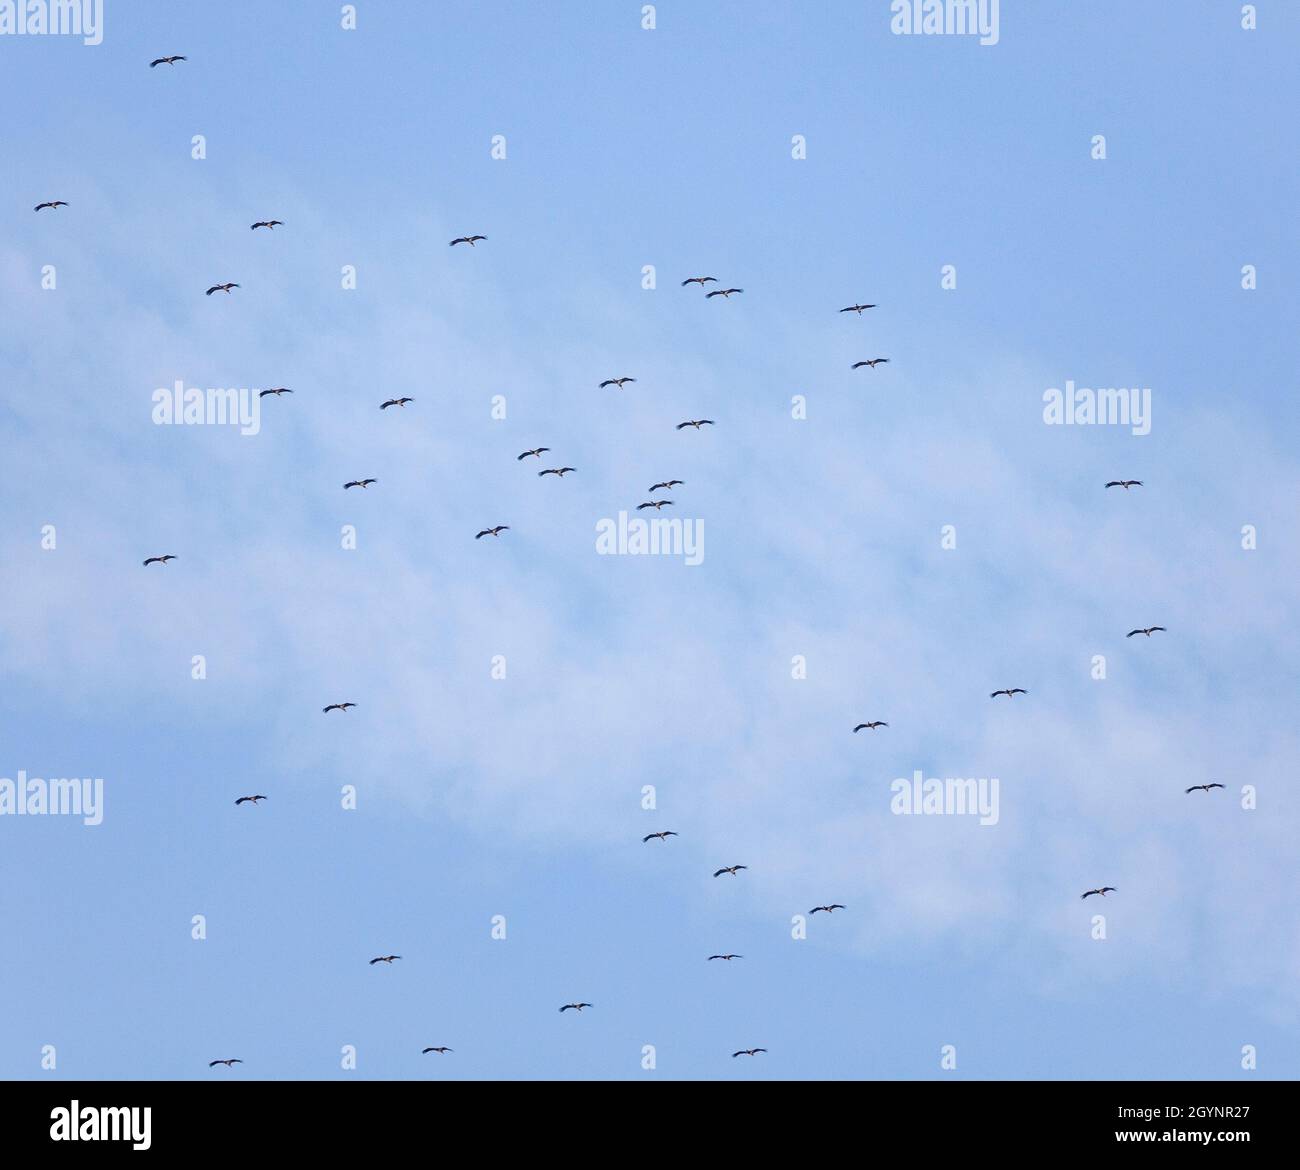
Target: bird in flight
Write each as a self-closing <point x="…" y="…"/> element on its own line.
<point x="361" y="483"/>
<point x="619" y="382"/>
<point x="722" y="292"/>
<point x="270" y="224"/>
<point x="225" y="288"/>
<point x="442" y="1049"/>
<point x="748" y="1052"/>
<point x="655" y="504"/>
<point x="276" y="390"/>
<point x="829" y="909"/>
<point x="662" y="835"/>
<point x="873" y="363"/>
<point x="228" y="1063"/>
<point x="336" y="707"/>
<point x="1124" y="483"/>
<point x="857" y="309"/>
<point x="577" y="1007"/>
<point x="870" y="726"/>
<point x="160" y="560"/>
<point x="727" y="958"/>
<point x="166" y="60"/>
<point x="383" y="959"/>
<point x="1202" y="788"/>
<point x="535" y="451"/>
<point x="731" y="869"/>
<point x="1148" y="631"/>
<point x="50" y="203"/>
<point x="249" y="800"/>
<point x="667" y="485"/>
<point x="696" y="423"/>
<point x="497" y="531"/>
<point x="700" y="280"/>
<point x="1009" y="692"/>
<point x="470" y="240"/>
<point x="396" y="402"/>
<point x="560" y="471"/>
<point x="1103" y="892"/>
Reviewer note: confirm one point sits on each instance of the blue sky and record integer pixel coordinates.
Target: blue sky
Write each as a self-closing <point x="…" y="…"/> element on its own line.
<point x="522" y="797"/>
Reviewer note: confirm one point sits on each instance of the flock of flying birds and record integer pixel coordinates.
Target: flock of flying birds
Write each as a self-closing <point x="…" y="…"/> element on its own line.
<point x="657" y="502"/>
